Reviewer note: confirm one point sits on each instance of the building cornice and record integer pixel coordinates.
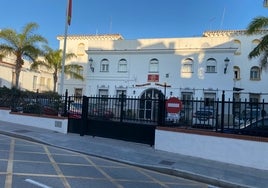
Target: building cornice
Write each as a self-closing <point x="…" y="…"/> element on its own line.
<point x="6" y="64"/>
<point x="158" y="51"/>
<point x="92" y="37"/>
<point x="230" y="33"/>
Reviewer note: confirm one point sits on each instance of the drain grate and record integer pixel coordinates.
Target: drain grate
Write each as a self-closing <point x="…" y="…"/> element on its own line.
<point x="168" y="163"/>
<point x="22" y="131"/>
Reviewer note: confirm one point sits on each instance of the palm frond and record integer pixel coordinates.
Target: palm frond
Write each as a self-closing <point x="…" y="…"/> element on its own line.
<point x="257" y="24"/>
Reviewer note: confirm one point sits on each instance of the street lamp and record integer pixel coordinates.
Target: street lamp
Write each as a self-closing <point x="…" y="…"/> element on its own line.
<point x="91" y="64"/>
<point x="226" y="62"/>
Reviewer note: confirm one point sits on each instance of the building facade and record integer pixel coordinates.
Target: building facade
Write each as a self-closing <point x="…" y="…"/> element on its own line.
<point x="30" y="80"/>
<point x="196" y="67"/>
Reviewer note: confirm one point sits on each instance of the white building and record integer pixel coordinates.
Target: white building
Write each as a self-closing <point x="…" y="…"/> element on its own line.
<point x="196" y="67"/>
<point x="30" y="80"/>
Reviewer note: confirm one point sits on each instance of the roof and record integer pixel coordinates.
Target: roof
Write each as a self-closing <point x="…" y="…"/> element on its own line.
<point x="227" y="33"/>
<point x="93" y="37"/>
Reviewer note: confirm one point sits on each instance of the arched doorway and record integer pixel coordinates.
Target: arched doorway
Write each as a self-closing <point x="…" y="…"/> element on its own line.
<point x="148" y="107"/>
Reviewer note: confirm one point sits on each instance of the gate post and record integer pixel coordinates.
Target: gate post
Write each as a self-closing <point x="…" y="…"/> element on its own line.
<point x="65" y="103"/>
<point x="83" y="120"/>
<point x="122" y="113"/>
<point x="222" y="110"/>
<point x="161" y="111"/>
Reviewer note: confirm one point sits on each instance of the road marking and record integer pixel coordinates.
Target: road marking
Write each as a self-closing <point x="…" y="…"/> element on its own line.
<point x="37" y="183"/>
<point x="8" y="182"/>
<point x="57" y="168"/>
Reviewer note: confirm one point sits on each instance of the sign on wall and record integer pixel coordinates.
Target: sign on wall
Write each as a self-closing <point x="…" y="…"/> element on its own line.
<point x="153" y="78"/>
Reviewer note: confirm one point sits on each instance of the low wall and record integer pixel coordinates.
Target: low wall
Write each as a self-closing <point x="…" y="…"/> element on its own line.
<point x="52" y="123"/>
<point x="242" y="152"/>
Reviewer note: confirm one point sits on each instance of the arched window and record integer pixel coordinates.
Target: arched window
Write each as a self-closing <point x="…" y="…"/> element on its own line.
<point x="236" y="73"/>
<point x="153" y="66"/>
<point x="255" y="43"/>
<point x="255" y="73"/>
<point x="237" y="45"/>
<point x="81" y="49"/>
<point x="211" y="65"/>
<point x="122" y="65"/>
<point x="187" y="65"/>
<point x="104" y="65"/>
<point x="74" y="71"/>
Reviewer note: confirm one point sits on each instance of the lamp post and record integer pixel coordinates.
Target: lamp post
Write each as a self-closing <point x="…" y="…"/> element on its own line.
<point x="226" y="63"/>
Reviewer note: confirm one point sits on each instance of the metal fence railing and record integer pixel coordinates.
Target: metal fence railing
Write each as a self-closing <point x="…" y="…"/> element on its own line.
<point x="238" y="117"/>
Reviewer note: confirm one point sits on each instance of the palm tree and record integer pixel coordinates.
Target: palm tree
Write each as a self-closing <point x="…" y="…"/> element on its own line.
<point x="255" y="26"/>
<point x="24" y="45"/>
<point x="53" y="62"/>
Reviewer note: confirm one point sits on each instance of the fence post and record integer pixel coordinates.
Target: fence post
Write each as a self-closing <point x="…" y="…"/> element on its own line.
<point x="122" y="96"/>
<point x="162" y="111"/>
<point x="222" y="110"/>
<point x="83" y="120"/>
<point x="65" y="103"/>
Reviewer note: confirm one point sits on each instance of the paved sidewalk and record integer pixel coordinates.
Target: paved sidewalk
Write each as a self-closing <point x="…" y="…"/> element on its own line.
<point x="210" y="172"/>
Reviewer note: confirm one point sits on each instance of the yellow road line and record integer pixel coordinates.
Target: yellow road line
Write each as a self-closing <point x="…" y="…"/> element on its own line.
<point x="8" y="182"/>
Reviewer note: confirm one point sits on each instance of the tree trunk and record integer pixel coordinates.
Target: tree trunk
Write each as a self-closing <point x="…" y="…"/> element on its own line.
<point x="55" y="80"/>
<point x="17" y="73"/>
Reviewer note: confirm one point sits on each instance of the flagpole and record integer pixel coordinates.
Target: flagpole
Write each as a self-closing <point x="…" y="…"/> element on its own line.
<point x="64" y="49"/>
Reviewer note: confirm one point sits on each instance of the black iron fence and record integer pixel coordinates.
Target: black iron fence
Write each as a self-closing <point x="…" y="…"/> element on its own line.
<point x="220" y="115"/>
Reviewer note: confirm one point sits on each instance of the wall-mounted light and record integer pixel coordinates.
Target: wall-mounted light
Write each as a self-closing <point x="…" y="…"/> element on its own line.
<point x="134" y="92"/>
<point x="90" y="61"/>
<point x="226" y="63"/>
<point x="171" y="93"/>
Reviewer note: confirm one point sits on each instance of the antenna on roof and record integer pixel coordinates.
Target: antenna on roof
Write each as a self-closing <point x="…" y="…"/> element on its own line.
<point x="222" y="18"/>
<point x="111" y="25"/>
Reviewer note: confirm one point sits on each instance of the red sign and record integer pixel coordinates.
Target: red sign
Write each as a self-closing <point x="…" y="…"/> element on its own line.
<point x="173" y="105"/>
<point x="153" y="78"/>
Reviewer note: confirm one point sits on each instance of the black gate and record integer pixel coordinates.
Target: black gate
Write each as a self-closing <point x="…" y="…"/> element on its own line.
<point x="116" y="117"/>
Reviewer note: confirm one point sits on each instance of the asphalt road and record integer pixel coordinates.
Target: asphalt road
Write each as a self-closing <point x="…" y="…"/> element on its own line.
<point x="25" y="164"/>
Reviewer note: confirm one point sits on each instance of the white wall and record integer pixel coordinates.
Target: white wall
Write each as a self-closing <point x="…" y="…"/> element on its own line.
<point x="235" y="151"/>
<point x="54" y="124"/>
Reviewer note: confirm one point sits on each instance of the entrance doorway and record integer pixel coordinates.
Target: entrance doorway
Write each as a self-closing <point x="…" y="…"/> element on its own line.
<point x="148" y="104"/>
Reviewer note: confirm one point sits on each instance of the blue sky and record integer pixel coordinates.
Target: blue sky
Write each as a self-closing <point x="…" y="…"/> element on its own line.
<point x="132" y="19"/>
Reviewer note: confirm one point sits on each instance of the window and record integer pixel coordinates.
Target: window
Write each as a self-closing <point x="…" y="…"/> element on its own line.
<point x="254" y="43"/>
<point x="255" y="73"/>
<point x="103" y="93"/>
<point x="34" y="82"/>
<point x="122" y="65"/>
<point x="209" y="99"/>
<point x="254" y="98"/>
<point x="49" y="83"/>
<point x="186" y="98"/>
<point x="187" y="65"/>
<point x="236" y="73"/>
<point x="119" y="94"/>
<point x="237" y="44"/>
<point x="104" y="65"/>
<point x="76" y="70"/>
<point x="42" y="81"/>
<point x="153" y="67"/>
<point x="81" y="49"/>
<point x="78" y="92"/>
<point x="211" y="65"/>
